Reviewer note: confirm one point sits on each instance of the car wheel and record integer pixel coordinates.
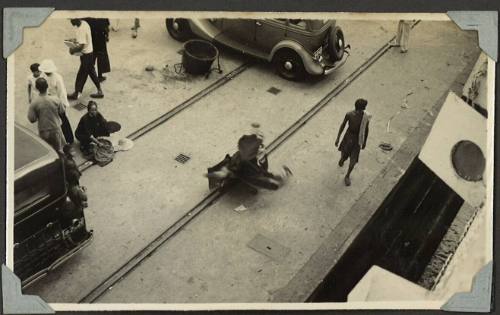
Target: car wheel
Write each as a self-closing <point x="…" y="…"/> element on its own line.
<point x="289" y="65"/>
<point x="336" y="44"/>
<point x="178" y="29"/>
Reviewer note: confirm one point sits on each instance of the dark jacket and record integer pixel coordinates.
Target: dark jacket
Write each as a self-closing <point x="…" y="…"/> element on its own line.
<point x="95" y="126"/>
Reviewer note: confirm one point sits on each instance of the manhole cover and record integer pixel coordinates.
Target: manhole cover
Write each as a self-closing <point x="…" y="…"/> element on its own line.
<point x="468" y="160"/>
<point x="268" y="247"/>
<point x="182" y="158"/>
<point x="79" y="106"/>
<point x="274" y="90"/>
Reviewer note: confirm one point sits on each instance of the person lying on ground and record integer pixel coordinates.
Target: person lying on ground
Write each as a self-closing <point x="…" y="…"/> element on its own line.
<point x="250" y="165"/>
<point x="92" y="125"/>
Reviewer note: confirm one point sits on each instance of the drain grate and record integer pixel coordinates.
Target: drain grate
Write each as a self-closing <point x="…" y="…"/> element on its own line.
<point x="79" y="106"/>
<point x="268" y="247"/>
<point x="274" y="90"/>
<point x="182" y="158"/>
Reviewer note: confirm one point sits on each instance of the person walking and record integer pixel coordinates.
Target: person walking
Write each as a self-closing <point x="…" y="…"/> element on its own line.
<point x="100" y="36"/>
<point x="115" y="25"/>
<point x="135" y="28"/>
<point x="403" y="35"/>
<point x="85" y="49"/>
<point x="46" y="110"/>
<point x="57" y="89"/>
<point x="355" y="137"/>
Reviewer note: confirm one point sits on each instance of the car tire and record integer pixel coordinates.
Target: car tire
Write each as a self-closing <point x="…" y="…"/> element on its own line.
<point x="289" y="65"/>
<point x="179" y="29"/>
<point x="336" y="44"/>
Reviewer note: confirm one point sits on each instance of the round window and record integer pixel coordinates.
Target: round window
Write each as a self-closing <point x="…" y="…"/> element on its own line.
<point x="468" y="160"/>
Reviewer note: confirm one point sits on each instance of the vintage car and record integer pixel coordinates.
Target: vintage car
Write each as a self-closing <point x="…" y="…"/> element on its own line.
<point x="48" y="228"/>
<point x="295" y="47"/>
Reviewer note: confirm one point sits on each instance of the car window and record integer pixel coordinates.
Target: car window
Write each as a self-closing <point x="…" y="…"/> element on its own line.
<point x="315" y="25"/>
<point x="304" y="25"/>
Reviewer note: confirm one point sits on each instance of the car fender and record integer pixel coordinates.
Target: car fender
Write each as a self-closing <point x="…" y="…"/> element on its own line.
<point x="311" y="66"/>
<point x="204" y="29"/>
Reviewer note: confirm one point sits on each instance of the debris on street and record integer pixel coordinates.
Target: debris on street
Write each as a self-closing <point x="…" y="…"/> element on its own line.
<point x="240" y="208"/>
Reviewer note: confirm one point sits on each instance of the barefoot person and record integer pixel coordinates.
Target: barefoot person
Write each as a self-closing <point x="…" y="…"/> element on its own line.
<point x="85" y="49"/>
<point x="355" y="137"/>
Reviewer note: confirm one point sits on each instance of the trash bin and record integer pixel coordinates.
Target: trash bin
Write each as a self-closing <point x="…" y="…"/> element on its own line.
<point x="198" y="56"/>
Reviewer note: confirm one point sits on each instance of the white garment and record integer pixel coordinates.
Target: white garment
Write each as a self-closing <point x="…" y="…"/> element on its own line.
<point x="403" y="34"/>
<point x="84" y="36"/>
<point x="362" y="128"/>
<point x="56" y="87"/>
<point x="31" y="82"/>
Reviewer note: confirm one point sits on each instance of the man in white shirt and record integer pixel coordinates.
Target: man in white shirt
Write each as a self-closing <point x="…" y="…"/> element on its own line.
<point x="85" y="48"/>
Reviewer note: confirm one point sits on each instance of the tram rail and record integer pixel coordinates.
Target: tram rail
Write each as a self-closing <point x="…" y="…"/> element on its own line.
<point x="179" y="108"/>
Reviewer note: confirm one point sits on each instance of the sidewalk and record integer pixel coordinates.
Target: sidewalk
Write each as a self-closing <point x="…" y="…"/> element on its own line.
<point x="210" y="260"/>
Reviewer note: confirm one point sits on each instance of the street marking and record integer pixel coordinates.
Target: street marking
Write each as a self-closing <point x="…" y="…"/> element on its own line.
<point x="79" y="106"/>
<point x="268" y="247"/>
<point x="274" y="90"/>
<point x="182" y="158"/>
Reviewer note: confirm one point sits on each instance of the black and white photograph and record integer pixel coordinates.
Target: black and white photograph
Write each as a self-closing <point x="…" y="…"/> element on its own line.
<point x="217" y="160"/>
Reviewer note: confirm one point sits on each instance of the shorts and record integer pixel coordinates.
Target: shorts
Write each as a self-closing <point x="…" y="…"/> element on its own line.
<point x="350" y="147"/>
<point x="54" y="138"/>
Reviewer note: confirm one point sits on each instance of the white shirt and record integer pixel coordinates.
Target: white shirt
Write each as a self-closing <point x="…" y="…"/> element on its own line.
<point x="31" y="82"/>
<point x="84" y="36"/>
<point x="56" y="87"/>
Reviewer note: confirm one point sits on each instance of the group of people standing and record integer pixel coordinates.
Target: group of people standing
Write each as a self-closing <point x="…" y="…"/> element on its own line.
<point x="48" y="104"/>
<point x="47" y="92"/>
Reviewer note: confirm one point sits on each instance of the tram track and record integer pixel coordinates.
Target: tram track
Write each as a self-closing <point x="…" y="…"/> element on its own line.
<point x="213" y="196"/>
<point x="179" y="108"/>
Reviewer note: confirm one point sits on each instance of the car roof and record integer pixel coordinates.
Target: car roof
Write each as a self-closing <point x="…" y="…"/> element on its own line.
<point x="29" y="148"/>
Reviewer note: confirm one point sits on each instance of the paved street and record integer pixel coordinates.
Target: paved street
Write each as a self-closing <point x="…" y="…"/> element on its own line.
<point x="144" y="191"/>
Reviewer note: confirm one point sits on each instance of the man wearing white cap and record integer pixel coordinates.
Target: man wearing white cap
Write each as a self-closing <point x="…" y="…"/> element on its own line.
<point x="57" y="89"/>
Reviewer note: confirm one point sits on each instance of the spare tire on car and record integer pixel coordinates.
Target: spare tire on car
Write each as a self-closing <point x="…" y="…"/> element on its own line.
<point x="336" y="45"/>
<point x="179" y="29"/>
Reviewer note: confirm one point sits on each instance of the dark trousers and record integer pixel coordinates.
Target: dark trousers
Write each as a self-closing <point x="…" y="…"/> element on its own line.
<point x="66" y="129"/>
<point x="86" y="69"/>
<point x="101" y="59"/>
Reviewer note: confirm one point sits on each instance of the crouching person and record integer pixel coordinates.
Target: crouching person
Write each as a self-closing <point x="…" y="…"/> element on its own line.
<point x="250" y="165"/>
<point x="91" y="126"/>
